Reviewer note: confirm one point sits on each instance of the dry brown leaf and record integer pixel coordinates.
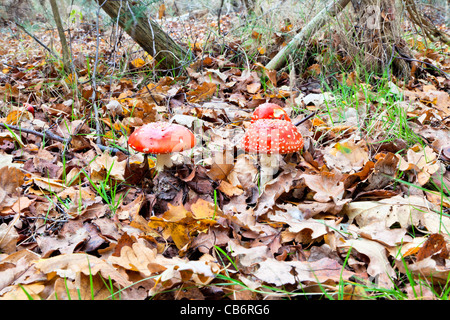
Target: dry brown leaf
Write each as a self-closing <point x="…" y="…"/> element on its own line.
<point x="229" y="190"/>
<point x="203" y="92"/>
<point x="72" y="265"/>
<point x="347" y="155"/>
<point x="130" y="210"/>
<point x="424" y="161"/>
<point x="377" y="253"/>
<point x="11" y="179"/>
<point x="427" y="267"/>
<point x="8" y="236"/>
<point x="283" y="183"/>
<point x="306" y="231"/>
<point x="181" y="225"/>
<point x="282" y="273"/>
<point x="107" y="163"/>
<point x="435" y="244"/>
<point x="405" y="211"/>
<point x="327" y="186"/>
<point x="384" y="171"/>
<point x="243" y="175"/>
<point x="65" y="245"/>
<point x="21" y="292"/>
<point x="202" y="209"/>
<point x="253" y="87"/>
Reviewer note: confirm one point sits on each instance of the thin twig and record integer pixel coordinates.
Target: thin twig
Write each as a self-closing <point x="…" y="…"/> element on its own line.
<point x="37" y="40"/>
<point x="45" y="134"/>
<point x="93" y="77"/>
<point x="218" y="17"/>
<point x="427" y="63"/>
<point x="50" y="135"/>
<point x="306" y="118"/>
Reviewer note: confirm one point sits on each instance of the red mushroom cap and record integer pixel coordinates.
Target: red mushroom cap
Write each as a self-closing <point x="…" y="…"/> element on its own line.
<point x="269" y="111"/>
<point x="29" y="108"/>
<point x="272" y="136"/>
<point x="161" y="137"/>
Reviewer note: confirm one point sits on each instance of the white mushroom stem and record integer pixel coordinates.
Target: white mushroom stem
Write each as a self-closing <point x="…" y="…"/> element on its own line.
<point x="269" y="165"/>
<point x="162" y="160"/>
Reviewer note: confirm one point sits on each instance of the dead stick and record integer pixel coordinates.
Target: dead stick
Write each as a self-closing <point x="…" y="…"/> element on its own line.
<point x="299" y="122"/>
<point x="45" y="134"/>
<point x="37" y="40"/>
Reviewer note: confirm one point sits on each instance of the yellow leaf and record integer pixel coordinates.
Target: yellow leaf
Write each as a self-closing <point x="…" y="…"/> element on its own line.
<point x="138" y="63"/>
<point x="175" y="213"/>
<point x="15" y="116"/>
<point x="203" y="209"/>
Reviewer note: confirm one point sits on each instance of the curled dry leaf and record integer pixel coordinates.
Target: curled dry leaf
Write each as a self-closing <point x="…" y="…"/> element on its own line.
<point x="72" y="265"/>
<point x="138" y="257"/>
<point x="326" y="185"/>
<point x="283" y="183"/>
<point x="11" y="179"/>
<point x="435" y="244"/>
<point x="107" y="164"/>
<point x="383" y="172"/>
<point x="282" y="273"/>
<point x="8" y="236"/>
<point x="65" y="245"/>
<point x="182" y="225"/>
<point x="424" y="162"/>
<point x="347" y="155"/>
<point x="376" y="252"/>
<point x="427" y="267"/>
<point x="405" y="211"/>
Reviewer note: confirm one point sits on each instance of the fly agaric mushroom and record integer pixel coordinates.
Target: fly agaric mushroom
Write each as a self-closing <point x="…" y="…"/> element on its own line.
<point x="269" y="111"/>
<point x="270" y="138"/>
<point x="161" y="138"/>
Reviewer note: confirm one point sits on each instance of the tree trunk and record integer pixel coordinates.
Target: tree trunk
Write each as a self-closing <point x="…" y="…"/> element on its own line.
<point x="332" y="9"/>
<point x="144" y="31"/>
<point x="62" y="36"/>
<point x="377" y="41"/>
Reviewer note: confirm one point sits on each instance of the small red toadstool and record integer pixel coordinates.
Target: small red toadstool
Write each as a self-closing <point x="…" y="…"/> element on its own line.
<point x="269" y="138"/>
<point x="269" y="111"/>
<point x="29" y="107"/>
<point x="161" y="138"/>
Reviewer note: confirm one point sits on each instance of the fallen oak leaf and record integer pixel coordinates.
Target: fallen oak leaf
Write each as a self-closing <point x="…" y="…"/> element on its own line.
<point x="72" y="265"/>
<point x="347" y="155"/>
<point x="427" y="267"/>
<point x="11" y="178"/>
<point x="424" y="161"/>
<point x="9" y="236"/>
<point x="376" y="252"/>
<point x="181" y="225"/>
<point x="282" y="273"/>
<point x="203" y="92"/>
<point x="435" y="244"/>
<point x="283" y="183"/>
<point x="326" y="185"/>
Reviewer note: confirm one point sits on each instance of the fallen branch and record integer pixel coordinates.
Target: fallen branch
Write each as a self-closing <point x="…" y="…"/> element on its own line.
<point x="332" y="9"/>
<point x="309" y="116"/>
<point x="428" y="28"/>
<point x="47" y="134"/>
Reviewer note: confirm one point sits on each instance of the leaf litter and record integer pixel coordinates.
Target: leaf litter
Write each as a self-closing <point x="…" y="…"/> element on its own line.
<point x="75" y="215"/>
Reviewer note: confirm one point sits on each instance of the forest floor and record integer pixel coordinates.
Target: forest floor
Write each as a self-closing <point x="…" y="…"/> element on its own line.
<point x="363" y="212"/>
